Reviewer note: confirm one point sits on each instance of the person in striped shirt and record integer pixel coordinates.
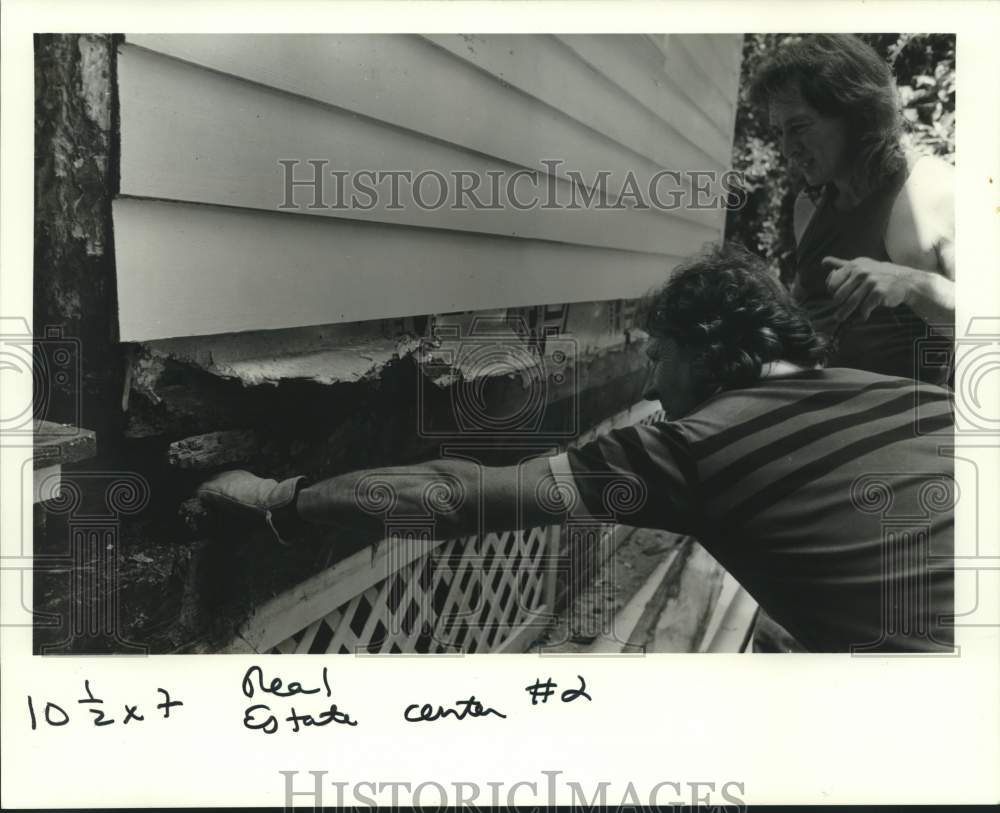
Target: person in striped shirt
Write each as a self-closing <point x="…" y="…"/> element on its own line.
<point x="825" y="492"/>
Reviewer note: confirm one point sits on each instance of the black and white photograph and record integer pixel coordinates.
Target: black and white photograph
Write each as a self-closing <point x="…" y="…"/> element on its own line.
<point x="405" y="343"/>
<point x="464" y="344"/>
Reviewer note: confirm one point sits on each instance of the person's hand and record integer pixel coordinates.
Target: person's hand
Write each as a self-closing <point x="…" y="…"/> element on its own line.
<point x="860" y="285"/>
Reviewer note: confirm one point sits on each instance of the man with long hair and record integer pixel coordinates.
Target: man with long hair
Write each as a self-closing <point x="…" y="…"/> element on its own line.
<point x="875" y="264"/>
<point x="765" y="456"/>
<point x="874" y="255"/>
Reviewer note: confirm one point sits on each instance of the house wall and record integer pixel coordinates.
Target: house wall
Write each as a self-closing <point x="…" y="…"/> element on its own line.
<point x="205" y="244"/>
<point x="320" y="341"/>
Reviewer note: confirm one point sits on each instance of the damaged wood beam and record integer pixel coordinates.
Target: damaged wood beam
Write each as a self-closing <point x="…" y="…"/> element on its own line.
<point x="57" y="443"/>
<point x="213" y="449"/>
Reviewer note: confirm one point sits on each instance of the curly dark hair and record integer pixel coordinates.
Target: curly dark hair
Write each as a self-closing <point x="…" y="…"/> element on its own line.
<point x="729" y="310"/>
<point x="840" y="75"/>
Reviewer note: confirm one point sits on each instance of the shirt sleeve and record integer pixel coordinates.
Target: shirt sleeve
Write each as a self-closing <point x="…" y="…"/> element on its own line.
<point x="642" y="476"/>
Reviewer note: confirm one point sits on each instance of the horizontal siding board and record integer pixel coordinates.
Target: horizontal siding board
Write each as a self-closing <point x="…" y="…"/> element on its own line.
<point x="222" y="146"/>
<point x="636" y="69"/>
<point x="679" y="63"/>
<point x="188" y="270"/>
<point x="717" y="77"/>
<point x="538" y="66"/>
<point x="659" y="42"/>
<point x="725" y="49"/>
<point x="202" y="250"/>
<point x="729" y="82"/>
<point x="399" y="79"/>
<point x="420" y="85"/>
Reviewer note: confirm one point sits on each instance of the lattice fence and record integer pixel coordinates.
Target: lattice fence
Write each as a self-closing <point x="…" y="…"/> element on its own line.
<point x="497" y="593"/>
<point x="490" y="593"/>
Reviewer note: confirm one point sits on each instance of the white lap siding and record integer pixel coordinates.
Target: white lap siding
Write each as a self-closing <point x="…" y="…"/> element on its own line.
<point x="202" y="246"/>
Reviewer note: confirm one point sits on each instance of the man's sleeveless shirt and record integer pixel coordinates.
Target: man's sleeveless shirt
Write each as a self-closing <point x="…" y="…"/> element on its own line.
<point x="893" y="341"/>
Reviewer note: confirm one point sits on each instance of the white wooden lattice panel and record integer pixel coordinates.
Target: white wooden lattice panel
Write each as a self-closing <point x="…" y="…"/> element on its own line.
<point x="423" y="595"/>
<point x="479" y="594"/>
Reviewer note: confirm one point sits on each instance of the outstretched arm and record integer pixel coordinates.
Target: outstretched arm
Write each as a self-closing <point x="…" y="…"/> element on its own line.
<point x="606" y="480"/>
<point x="464" y="497"/>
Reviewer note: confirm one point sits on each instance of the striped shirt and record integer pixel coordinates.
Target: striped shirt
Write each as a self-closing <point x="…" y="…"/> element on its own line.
<point x="827" y="494"/>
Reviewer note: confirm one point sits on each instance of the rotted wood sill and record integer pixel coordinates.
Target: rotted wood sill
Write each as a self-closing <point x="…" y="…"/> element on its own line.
<point x="324" y="405"/>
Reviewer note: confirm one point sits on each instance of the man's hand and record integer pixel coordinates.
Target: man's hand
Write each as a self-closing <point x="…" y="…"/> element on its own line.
<point x="268" y="502"/>
<point x="860" y="285"/>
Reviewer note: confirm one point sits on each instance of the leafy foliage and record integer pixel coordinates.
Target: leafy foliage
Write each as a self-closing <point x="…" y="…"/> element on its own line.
<point x="924" y="66"/>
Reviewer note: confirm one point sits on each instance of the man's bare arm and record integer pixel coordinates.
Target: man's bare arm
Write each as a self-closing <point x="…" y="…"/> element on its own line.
<point x="463" y="496"/>
<point x="920" y="237"/>
<point x="932" y="296"/>
<point x="860" y="285"/>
